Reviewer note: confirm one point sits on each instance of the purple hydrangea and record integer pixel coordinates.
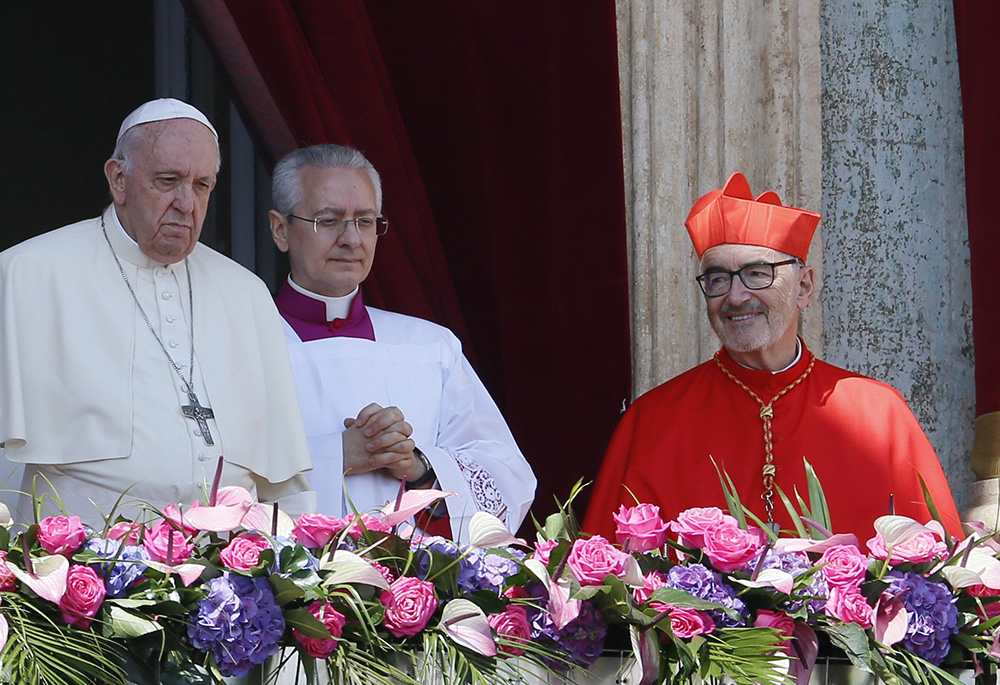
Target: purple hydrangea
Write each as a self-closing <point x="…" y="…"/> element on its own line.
<point x="435" y="543"/>
<point x="931" y="614"/>
<point x="706" y="584"/>
<point x="483" y="570"/>
<point x="582" y="639"/>
<point x="124" y="566"/>
<point x="796" y="564"/>
<point x="238" y="621"/>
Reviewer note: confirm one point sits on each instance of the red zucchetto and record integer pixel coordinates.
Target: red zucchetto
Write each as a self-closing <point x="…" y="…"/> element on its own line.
<point x="733" y="215"/>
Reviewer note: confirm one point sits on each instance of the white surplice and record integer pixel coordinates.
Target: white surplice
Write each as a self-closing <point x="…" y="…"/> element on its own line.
<point x="419" y="367"/>
<point x="89" y="401"/>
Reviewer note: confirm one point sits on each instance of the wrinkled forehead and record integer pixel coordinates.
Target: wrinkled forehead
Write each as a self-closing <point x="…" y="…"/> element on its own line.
<point x="730" y="256"/>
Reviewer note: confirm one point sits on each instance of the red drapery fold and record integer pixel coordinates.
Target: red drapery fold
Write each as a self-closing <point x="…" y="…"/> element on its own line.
<point x="975" y="27"/>
<point x="511" y="109"/>
<point x="307" y="72"/>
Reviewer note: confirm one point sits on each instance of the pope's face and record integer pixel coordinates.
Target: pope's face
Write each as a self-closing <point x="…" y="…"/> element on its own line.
<point x="163" y="199"/>
<point x="752" y="324"/>
<point x="331" y="262"/>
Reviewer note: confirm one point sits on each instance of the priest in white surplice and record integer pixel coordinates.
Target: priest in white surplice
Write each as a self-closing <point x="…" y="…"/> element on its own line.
<point x="383" y="395"/>
<point x="132" y="357"/>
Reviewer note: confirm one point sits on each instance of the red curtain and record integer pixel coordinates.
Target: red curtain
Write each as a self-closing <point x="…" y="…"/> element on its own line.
<point x="503" y="119"/>
<point x="975" y="27"/>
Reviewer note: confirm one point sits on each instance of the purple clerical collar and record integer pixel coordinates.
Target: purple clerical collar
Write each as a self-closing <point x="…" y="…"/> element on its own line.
<point x="307" y="317"/>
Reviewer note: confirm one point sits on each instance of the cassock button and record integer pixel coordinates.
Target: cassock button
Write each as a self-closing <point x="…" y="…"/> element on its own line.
<point x="339" y="323"/>
<point x="161" y="272"/>
<point x="203" y="457"/>
<point x="171" y="318"/>
<point x="197" y="432"/>
<point x="166" y="296"/>
<point x="173" y="343"/>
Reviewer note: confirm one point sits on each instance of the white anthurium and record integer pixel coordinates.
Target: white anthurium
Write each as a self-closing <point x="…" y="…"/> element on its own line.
<point x="5" y="518"/>
<point x="897" y="530"/>
<point x="782" y="581"/>
<point x="980" y="567"/>
<point x="48" y="579"/>
<point x="260" y="518"/>
<point x="486" y="530"/>
<point x="188" y="572"/>
<point x="347" y="567"/>
<point x="4" y="631"/>
<point x="633" y="574"/>
<point x="561" y="608"/>
<point x="467" y="625"/>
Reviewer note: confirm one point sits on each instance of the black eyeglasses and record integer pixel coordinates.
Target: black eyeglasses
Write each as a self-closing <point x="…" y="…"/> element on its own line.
<point x="377" y="225"/>
<point x="717" y="282"/>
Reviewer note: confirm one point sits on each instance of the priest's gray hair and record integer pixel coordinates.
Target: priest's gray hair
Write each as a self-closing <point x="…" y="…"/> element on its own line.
<point x="130" y="140"/>
<point x="286" y="188"/>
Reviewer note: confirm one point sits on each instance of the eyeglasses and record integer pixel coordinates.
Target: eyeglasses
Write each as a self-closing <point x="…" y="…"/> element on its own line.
<point x="368" y="225"/>
<point x="717" y="282"/>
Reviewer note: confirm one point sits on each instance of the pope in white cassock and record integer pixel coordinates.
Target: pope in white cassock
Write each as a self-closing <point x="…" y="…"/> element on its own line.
<point x="384" y="396"/>
<point x="132" y="357"/>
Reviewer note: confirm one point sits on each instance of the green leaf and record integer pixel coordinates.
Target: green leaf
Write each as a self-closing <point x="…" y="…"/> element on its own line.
<point x="306" y="623"/>
<point x="125" y="624"/>
<point x="851" y="638"/>
<point x="820" y="513"/>
<point x="732" y="497"/>
<point x="285" y="589"/>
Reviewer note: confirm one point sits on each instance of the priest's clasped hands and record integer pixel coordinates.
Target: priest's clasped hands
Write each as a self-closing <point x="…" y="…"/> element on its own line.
<point x="379" y="438"/>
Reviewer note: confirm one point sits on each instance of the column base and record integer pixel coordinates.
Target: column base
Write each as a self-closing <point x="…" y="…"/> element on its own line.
<point x="984" y="503"/>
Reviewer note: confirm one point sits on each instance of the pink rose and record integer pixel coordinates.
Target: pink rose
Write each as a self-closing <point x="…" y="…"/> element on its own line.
<point x="592" y="559"/>
<point x="922" y="547"/>
<point x="316" y="530"/>
<point x="322" y="647"/>
<point x="843" y="566"/>
<point x="543" y="550"/>
<point x="163" y="540"/>
<point x="516" y="592"/>
<point x="693" y="524"/>
<point x="126" y="532"/>
<point x="83" y="596"/>
<point x="730" y="548"/>
<point x="640" y="528"/>
<point x="849" y="605"/>
<point x="513" y="625"/>
<point x="384" y="570"/>
<point x="653" y="580"/>
<point x="409" y="604"/>
<point x="243" y="552"/>
<point x="687" y="622"/>
<point x="61" y="534"/>
<point x="779" y="620"/>
<point x="362" y="522"/>
<point x="8" y="581"/>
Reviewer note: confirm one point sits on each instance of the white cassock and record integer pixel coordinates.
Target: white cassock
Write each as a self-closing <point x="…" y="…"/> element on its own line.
<point x="89" y="401"/>
<point x="419" y="367"/>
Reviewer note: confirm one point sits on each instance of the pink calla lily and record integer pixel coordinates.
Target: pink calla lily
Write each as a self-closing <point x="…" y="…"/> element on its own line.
<point x="411" y="502"/>
<point x="187" y="572"/>
<point x="48" y="579"/>
<point x="646" y="648"/>
<point x="818" y="546"/>
<point x="890" y="620"/>
<point x="260" y="518"/>
<point x="467" y="625"/>
<point x="231" y="504"/>
<point x="806" y="648"/>
<point x="995" y="647"/>
<point x="561" y="608"/>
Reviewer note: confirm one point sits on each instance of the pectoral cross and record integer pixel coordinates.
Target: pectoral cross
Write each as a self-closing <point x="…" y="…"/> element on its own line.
<point x="201" y="415"/>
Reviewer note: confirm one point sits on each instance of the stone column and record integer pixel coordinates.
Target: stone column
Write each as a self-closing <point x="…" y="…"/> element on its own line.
<point x="709" y="88"/>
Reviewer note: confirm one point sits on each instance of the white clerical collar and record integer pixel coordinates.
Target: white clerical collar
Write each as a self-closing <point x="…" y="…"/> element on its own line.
<point x="336" y="307"/>
<point x="798" y="356"/>
<point x="125" y="247"/>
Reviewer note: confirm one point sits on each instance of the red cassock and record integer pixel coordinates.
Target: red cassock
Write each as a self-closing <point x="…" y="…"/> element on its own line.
<point x="858" y="434"/>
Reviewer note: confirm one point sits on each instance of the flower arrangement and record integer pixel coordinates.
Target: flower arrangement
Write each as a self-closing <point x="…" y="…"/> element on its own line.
<point x="213" y="590"/>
